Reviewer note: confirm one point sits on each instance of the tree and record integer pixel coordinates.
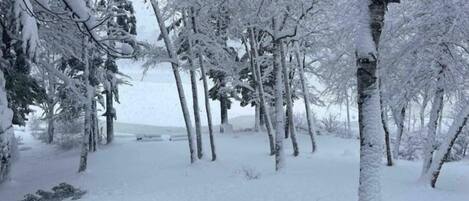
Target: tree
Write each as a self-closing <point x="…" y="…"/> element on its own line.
<point x="370" y="22"/>
<point x="175" y="66"/>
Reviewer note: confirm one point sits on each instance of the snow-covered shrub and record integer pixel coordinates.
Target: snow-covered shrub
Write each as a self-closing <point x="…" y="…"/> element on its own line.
<point x="60" y="192"/>
<point x="330" y="124"/>
<point x="411" y="147"/>
<point x="68" y="133"/>
<point x="249" y="173"/>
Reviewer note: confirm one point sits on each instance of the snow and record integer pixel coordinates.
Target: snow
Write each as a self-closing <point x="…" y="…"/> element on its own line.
<point x="152" y="171"/>
<point x="365" y="46"/>
<point x="28" y="24"/>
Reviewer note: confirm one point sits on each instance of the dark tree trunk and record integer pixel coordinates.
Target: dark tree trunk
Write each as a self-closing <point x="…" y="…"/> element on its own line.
<point x="110" y="115"/>
<point x="223" y="111"/>
<point x="290" y="126"/>
<point x="399" y="117"/>
<point x="206" y="94"/>
<point x="195" y="104"/>
<point x="264" y="111"/>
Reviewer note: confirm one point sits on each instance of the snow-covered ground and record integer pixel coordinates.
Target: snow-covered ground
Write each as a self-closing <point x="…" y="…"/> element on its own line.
<point x="152" y="171"/>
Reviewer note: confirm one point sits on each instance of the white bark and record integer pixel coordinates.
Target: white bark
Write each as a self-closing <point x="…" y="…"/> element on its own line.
<point x="458" y="124"/>
<point x="175" y="66"/>
<point x="87" y="107"/>
<point x="430" y="141"/>
<point x="279" y="115"/>
<point x="371" y="20"/>
<point x="309" y="117"/>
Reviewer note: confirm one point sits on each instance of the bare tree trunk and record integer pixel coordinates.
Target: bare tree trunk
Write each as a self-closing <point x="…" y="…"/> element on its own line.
<point x="387" y="142"/>
<point x="288" y="94"/>
<point x="257" y="117"/>
<point x="437" y="105"/>
<point x="110" y="115"/>
<point x="195" y="102"/>
<point x="175" y="66"/>
<point x="50" y="109"/>
<point x="422" y="110"/>
<point x="399" y="118"/>
<point x="347" y="106"/>
<point x="87" y="107"/>
<point x="442" y="153"/>
<point x="260" y="86"/>
<point x="371" y="20"/>
<point x="94" y="128"/>
<point x="261" y="112"/>
<point x="309" y="117"/>
<point x="279" y="116"/>
<point x="206" y="94"/>
<point x="257" y="108"/>
<point x="223" y="110"/>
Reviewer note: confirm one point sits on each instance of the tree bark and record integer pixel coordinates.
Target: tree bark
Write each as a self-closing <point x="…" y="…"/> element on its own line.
<point x="195" y="102"/>
<point x="206" y="94"/>
<point x="50" y="109"/>
<point x="110" y="115"/>
<point x="175" y="67"/>
<point x="430" y="141"/>
<point x="399" y="117"/>
<point x="371" y="20"/>
<point x="223" y="110"/>
<point x="87" y="107"/>
<point x="288" y="95"/>
<point x="442" y="153"/>
<point x="264" y="110"/>
<point x="309" y="117"/>
<point x="387" y="142"/>
<point x="347" y="107"/>
<point x="279" y="116"/>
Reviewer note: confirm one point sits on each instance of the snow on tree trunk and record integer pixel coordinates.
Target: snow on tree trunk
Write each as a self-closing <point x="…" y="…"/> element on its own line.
<point x="260" y="86"/>
<point x="443" y="151"/>
<point x="288" y="94"/>
<point x="279" y="116"/>
<point x="175" y="66"/>
<point x="370" y="22"/>
<point x="6" y="131"/>
<point x="195" y="102"/>
<point x="425" y="100"/>
<point x="399" y="117"/>
<point x="347" y="107"/>
<point x="309" y="117"/>
<point x="87" y="107"/>
<point x="207" y="109"/>
<point x="206" y="93"/>
<point x="430" y="141"/>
